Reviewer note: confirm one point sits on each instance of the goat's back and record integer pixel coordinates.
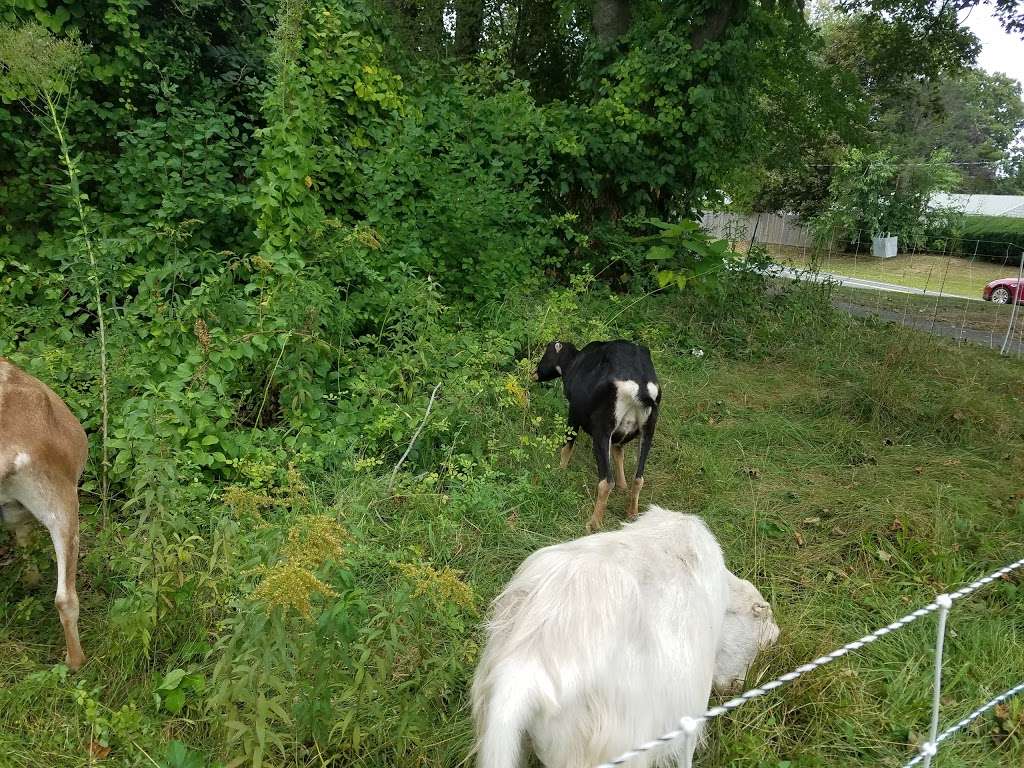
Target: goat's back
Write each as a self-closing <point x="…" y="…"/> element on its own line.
<point x="601" y="642"/>
<point x="599" y="364"/>
<point x="37" y="427"/>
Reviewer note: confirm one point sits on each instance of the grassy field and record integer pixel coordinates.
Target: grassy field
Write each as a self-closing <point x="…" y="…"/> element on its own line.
<point x="851" y="471"/>
<point x="984" y="317"/>
<point x="933" y="272"/>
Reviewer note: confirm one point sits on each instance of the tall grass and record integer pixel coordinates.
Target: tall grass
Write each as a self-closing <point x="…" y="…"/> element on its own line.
<point x="851" y="471"/>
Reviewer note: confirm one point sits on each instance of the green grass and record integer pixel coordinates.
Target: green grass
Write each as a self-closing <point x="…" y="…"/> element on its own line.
<point x="970" y="315"/>
<point x="930" y="271"/>
<point x="851" y="471"/>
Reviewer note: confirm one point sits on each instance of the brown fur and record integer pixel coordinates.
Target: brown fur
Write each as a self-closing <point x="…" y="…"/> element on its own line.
<point x="604" y="489"/>
<point x="35" y="422"/>
<point x="619" y="457"/>
<point x="634" y="498"/>
<point x="567" y="451"/>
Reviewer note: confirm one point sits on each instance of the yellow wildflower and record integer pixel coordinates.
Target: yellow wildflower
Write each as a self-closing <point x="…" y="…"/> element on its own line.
<point x="440" y="586"/>
<point x="290" y="586"/>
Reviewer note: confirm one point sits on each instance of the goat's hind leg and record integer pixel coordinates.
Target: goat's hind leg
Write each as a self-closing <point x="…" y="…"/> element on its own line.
<point x="56" y="507"/>
<point x="19" y="521"/>
<point x="646" y="438"/>
<point x="619" y="456"/>
<point x="602" y="451"/>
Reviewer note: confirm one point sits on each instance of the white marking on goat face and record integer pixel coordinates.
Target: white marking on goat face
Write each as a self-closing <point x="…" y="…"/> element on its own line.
<point x="22" y="460"/>
<point x="652" y="390"/>
<point x="558" y="346"/>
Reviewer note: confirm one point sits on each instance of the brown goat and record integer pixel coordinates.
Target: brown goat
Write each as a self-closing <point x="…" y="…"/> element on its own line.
<point x="43" y="450"/>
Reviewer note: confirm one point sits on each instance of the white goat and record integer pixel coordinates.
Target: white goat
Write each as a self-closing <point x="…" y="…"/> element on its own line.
<point x="602" y="643"/>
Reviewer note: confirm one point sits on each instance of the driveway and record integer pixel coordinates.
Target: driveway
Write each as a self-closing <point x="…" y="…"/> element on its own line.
<point x="859" y="282"/>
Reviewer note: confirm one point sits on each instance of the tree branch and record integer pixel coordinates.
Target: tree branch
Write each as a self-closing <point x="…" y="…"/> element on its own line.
<point x="412" y="442"/>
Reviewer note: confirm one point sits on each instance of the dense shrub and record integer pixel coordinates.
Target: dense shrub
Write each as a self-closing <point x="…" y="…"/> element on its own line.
<point x="998" y="238"/>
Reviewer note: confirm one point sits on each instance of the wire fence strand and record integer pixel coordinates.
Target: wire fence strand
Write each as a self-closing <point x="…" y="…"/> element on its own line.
<point x="961" y="724"/>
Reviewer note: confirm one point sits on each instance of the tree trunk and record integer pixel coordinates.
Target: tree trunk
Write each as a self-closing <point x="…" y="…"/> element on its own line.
<point x="715" y="24"/>
<point x="540" y="53"/>
<point x="469" y="23"/>
<point x="611" y="19"/>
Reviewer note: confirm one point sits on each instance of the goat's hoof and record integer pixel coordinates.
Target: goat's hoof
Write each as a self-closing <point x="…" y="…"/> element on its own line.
<point x="593" y="525"/>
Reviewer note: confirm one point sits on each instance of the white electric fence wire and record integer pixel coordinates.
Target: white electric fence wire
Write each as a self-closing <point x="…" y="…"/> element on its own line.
<point x="696" y="722"/>
<point x="933" y="747"/>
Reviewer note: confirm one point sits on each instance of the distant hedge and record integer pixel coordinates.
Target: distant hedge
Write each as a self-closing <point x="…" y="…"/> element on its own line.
<point x="998" y="238"/>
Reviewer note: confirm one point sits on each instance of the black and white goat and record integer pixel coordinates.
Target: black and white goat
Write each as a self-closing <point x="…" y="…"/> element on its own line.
<point x="599" y="644"/>
<point x="613" y="396"/>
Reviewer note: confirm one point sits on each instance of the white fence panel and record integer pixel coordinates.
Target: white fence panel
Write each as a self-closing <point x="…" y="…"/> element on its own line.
<point x="768" y="228"/>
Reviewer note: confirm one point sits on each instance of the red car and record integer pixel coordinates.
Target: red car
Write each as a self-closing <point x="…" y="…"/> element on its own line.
<point x="1003" y="291"/>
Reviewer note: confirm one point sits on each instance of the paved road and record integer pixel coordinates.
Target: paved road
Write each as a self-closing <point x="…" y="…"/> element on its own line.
<point x="858" y="282"/>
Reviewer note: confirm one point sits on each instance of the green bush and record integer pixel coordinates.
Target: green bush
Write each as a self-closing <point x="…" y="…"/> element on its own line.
<point x="998" y="238"/>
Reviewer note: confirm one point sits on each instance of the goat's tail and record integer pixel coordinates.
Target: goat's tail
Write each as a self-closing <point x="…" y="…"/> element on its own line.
<point x="648" y="394"/>
<point x="512" y="696"/>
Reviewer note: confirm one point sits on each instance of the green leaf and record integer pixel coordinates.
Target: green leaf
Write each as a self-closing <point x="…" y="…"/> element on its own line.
<point x="180" y="756"/>
<point x="660" y="252"/>
<point x="194" y="682"/>
<point x="174" y="701"/>
<point x="171" y="680"/>
<point x="682" y="228"/>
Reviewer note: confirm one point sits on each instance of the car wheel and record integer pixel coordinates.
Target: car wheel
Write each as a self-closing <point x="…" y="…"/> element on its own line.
<point x="1001" y="295"/>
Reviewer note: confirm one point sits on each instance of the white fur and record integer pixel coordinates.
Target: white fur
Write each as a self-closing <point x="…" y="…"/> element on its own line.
<point x="21" y="460"/>
<point x="652" y="390"/>
<point x="630" y="413"/>
<point x="602" y="643"/>
<point x="748" y="627"/>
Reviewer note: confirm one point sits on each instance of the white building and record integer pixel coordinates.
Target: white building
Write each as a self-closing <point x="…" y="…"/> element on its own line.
<point x="982" y="205"/>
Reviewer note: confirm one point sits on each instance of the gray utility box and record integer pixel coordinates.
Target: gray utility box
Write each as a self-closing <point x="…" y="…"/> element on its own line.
<point x="883" y="247"/>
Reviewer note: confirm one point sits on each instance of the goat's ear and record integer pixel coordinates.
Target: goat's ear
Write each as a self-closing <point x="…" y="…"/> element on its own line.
<point x="760" y="609"/>
<point x="558" y="346"/>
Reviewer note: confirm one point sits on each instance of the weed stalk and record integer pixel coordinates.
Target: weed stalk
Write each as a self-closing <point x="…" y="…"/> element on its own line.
<point x="76" y="195"/>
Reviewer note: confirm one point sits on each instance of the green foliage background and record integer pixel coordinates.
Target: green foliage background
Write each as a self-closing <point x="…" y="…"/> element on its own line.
<point x="996" y="237"/>
<point x="306" y="184"/>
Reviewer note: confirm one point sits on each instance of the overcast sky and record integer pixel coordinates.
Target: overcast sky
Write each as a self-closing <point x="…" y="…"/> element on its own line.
<point x="1000" y="51"/>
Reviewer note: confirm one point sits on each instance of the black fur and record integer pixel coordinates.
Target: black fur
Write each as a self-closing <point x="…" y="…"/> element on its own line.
<point x="588" y="376"/>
